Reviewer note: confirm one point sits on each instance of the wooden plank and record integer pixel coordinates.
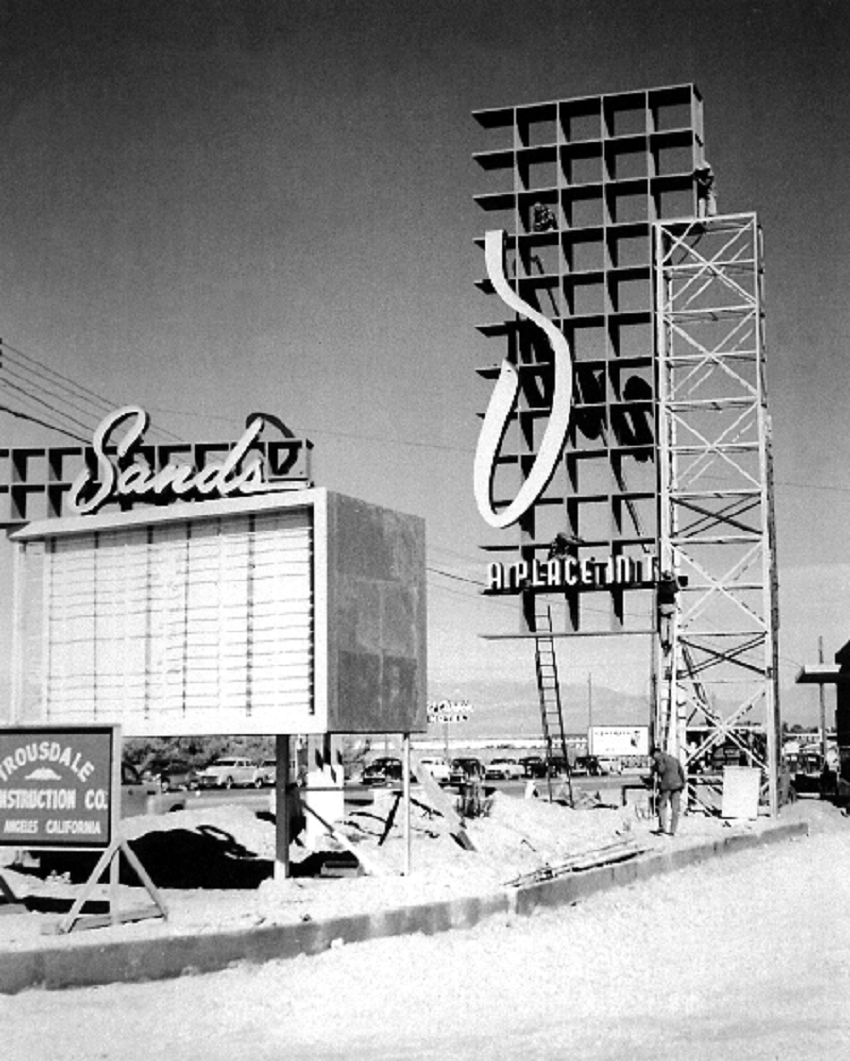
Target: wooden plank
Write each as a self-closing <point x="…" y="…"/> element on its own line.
<point x="369" y="867"/>
<point x="88" y="921"/>
<point x="593" y="859"/>
<point x="441" y="803"/>
<point x="110" y="860"/>
<point x="11" y="903"/>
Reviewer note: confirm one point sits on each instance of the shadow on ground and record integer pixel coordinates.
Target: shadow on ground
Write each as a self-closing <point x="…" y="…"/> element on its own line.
<point x="205" y="857"/>
<point x="202" y="858"/>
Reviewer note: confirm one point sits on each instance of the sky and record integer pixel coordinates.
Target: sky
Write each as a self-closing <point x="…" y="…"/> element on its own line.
<point x="211" y="207"/>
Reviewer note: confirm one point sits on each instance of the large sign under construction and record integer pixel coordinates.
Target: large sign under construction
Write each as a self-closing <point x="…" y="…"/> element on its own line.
<point x="567" y="453"/>
<point x="271" y="611"/>
<point x="627" y="427"/>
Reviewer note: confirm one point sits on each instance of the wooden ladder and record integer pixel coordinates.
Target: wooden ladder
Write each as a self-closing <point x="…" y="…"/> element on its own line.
<point x="549" y="694"/>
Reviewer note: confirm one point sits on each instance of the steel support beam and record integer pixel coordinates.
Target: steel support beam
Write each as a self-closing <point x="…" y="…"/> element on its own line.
<point x="717" y="647"/>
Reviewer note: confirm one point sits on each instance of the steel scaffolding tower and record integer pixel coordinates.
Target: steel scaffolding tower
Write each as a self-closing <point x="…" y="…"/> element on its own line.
<point x="717" y="648"/>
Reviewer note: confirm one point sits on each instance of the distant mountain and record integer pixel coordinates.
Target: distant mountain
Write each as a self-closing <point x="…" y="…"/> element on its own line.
<point x="511" y="708"/>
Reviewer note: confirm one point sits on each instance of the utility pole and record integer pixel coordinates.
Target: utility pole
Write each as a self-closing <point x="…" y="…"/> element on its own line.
<point x="590" y="714"/>
<point x="822" y="698"/>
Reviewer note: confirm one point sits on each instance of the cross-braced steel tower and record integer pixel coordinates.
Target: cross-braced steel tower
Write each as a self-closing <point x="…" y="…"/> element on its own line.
<point x="717" y="644"/>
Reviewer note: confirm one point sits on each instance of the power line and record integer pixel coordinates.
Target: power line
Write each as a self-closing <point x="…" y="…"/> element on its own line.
<point x="70" y="392"/>
<point x="47" y="405"/>
<point x="307" y="430"/>
<point x="104" y="402"/>
<point x="43" y="423"/>
<point x="457" y="578"/>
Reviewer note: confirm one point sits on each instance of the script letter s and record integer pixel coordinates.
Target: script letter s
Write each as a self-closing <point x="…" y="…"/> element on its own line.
<point x="503" y="398"/>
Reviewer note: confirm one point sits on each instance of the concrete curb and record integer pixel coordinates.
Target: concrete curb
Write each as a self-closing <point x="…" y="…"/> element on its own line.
<point x="89" y="964"/>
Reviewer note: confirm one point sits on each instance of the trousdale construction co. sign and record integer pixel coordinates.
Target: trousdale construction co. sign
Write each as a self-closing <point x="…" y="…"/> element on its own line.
<point x="56" y="786"/>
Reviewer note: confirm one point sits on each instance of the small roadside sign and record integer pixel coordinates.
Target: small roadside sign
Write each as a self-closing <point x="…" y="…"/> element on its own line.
<point x="449" y="711"/>
<point x="59" y="786"/>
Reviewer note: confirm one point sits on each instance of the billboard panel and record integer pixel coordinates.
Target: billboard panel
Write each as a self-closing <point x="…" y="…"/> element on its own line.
<point x="617" y="741"/>
<point x="301" y="612"/>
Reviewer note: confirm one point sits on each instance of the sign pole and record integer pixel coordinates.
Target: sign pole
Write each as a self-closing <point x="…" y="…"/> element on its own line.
<point x="282" y="837"/>
<point x="406" y="788"/>
<point x="824" y="745"/>
<point x="17" y="633"/>
<point x="115" y="827"/>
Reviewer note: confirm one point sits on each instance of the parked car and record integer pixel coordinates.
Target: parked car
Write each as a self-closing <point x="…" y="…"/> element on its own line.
<point x="466" y="769"/>
<point x="808" y="773"/>
<point x="718" y="757"/>
<point x="533" y="766"/>
<point x="230" y="771"/>
<point x="171" y="774"/>
<point x="437" y="767"/>
<point x="557" y="766"/>
<point x="146" y="797"/>
<point x="587" y="766"/>
<point x="268" y="771"/>
<point x="503" y="770"/>
<point x="382" y="771"/>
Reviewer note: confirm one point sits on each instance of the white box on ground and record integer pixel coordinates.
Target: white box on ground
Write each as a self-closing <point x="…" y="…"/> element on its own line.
<point x="323" y="793"/>
<point x="740" y="792"/>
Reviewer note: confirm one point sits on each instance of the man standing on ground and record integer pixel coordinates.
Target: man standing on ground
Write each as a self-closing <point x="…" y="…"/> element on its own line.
<point x="671" y="781"/>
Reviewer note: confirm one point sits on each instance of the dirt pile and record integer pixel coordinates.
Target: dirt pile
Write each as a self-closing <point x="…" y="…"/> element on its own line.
<point x="214" y="865"/>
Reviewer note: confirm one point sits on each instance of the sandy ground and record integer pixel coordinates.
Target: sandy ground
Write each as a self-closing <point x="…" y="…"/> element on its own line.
<point x="213" y="865"/>
<point x="745" y="957"/>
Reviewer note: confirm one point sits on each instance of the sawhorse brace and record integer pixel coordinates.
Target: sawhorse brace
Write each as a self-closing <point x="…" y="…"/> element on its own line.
<point x="110" y="859"/>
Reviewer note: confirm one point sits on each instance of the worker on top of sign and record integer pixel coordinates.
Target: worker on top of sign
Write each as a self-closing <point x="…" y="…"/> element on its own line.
<point x="706" y="186"/>
<point x="542" y="218"/>
<point x="561" y="544"/>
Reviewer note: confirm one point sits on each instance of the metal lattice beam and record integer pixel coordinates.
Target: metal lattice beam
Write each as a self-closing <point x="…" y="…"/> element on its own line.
<point x="717" y="664"/>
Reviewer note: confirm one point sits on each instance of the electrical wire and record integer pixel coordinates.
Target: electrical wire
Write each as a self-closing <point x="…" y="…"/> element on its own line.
<point x="6" y="347"/>
<point x="43" y="423"/>
<point x="24" y="378"/>
<point x="70" y="392"/>
<point x="46" y="404"/>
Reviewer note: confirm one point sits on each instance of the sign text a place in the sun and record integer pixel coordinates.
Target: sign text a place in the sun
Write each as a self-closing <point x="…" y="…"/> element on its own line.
<point x="564" y="573"/>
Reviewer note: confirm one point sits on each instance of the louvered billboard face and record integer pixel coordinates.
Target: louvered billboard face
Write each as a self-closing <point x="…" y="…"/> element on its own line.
<point x="202" y="626"/>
